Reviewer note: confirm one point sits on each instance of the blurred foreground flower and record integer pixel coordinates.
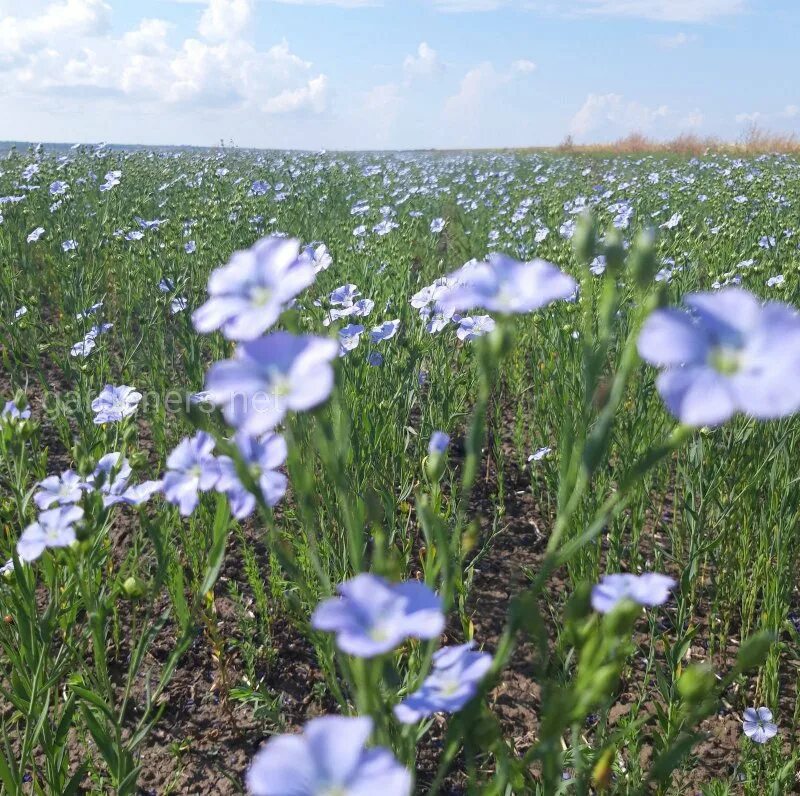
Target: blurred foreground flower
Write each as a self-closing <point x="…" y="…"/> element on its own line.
<point x="262" y="458"/>
<point x="648" y="589"/>
<point x="438" y="443"/>
<point x="505" y="285"/>
<point x="730" y="354"/>
<point x="12" y="412"/>
<point x="328" y="759"/>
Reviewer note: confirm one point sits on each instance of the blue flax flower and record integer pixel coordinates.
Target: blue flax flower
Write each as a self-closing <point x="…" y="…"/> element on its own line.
<point x="63" y="490"/>
<point x="54" y="528"/>
<point x="247" y="296"/>
<point x="12" y="412"/>
<point x="758" y="725"/>
<point x="262" y="457"/>
<point x="372" y="616"/>
<point x="648" y="589"/>
<point x="115" y="404"/>
<point x="191" y="468"/>
<point x="329" y="758"/>
<point x="505" y="285"/>
<point x="457" y="672"/>
<point x="729" y="354"/>
<point x="270" y="376"/>
<point x="438" y="443"/>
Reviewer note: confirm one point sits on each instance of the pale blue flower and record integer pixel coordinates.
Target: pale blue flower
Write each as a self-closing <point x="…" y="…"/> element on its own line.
<point x="62" y="490"/>
<point x="318" y="256"/>
<point x="539" y="454"/>
<point x="83" y="347"/>
<point x="191" y="468"/>
<point x="344" y="296"/>
<point x="385" y="227"/>
<point x="648" y="589"/>
<point x="329" y="758"/>
<point x="111" y="478"/>
<point x="729" y="354"/>
<point x="438" y="443"/>
<point x="90" y="311"/>
<point x="386" y="331"/>
<point x="758" y="725"/>
<point x="247" y="296"/>
<point x="12" y="412"/>
<point x="35" y="235"/>
<point x="472" y="327"/>
<point x="372" y="616"/>
<point x="349" y="338"/>
<point x="505" y="285"/>
<point x="115" y="404"/>
<point x="454" y="680"/>
<point x="262" y="457"/>
<point x="54" y="528"/>
<point x="271" y="376"/>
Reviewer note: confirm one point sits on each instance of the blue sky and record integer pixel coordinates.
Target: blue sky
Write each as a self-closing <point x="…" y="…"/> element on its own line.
<point x="352" y="74"/>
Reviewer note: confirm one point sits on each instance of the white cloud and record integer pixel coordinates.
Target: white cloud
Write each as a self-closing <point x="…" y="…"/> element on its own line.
<point x="425" y="63"/>
<point x="694" y="119"/>
<point x="478" y="84"/>
<point x="218" y="68"/>
<point x="524" y="66"/>
<point x="21" y="36"/>
<point x="224" y="20"/>
<point x="662" y="10"/>
<point x="475" y="85"/>
<point x="611" y="114"/>
<point x="675" y="41"/>
<point x="339" y="3"/>
<point x="790" y="111"/>
<point x="468" y="5"/>
<point x="749" y="118"/>
<point x="313" y="96"/>
<point x="382" y="105"/>
<point x="149" y="38"/>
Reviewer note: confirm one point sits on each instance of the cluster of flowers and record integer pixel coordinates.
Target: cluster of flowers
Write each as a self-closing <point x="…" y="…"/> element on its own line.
<point x="58" y="497"/>
<point x="728" y="353"/>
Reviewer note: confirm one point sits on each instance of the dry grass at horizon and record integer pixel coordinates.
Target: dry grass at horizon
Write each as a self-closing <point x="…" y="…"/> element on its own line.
<point x="754" y="142"/>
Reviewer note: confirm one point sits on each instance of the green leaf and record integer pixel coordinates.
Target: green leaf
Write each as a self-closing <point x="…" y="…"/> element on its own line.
<point x="216" y="557"/>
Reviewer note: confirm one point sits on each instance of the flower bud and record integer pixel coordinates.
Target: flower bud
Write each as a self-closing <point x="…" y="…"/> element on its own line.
<point x="754" y="651"/>
<point x="134" y="588"/>
<point x="696" y="683"/>
<point x="614" y="251"/>
<point x="643" y="259"/>
<point x="584" y="241"/>
<point x="436" y="462"/>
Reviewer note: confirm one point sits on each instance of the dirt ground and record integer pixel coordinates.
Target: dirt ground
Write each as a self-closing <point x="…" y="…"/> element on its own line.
<point x="203" y="742"/>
